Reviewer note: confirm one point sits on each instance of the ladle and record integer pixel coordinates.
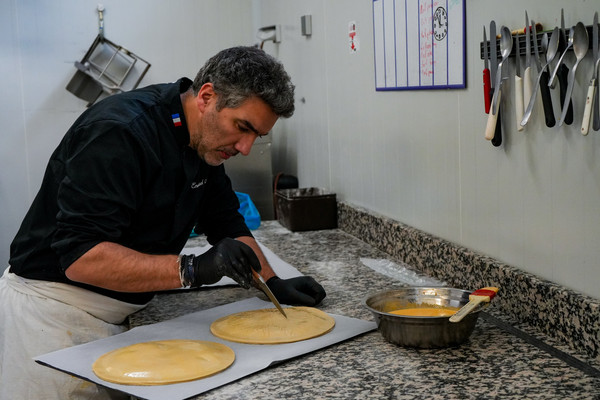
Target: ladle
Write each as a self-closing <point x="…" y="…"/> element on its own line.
<point x="550" y="54"/>
<point x="581" y="43"/>
<point x="506" y="43"/>
<point x="569" y="44"/>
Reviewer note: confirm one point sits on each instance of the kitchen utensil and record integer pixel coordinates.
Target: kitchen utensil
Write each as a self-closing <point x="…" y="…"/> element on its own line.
<point x="479" y="296"/>
<point x="487" y="86"/>
<point x="506" y="42"/>
<point x="590" y="100"/>
<point x="563" y="71"/>
<point x="560" y="60"/>
<point x="421" y="332"/>
<point x="596" y="58"/>
<point x="497" y="121"/>
<point x="542" y="80"/>
<point x="527" y="88"/>
<point x="505" y="48"/>
<point x="518" y="85"/>
<point x="263" y="286"/>
<point x="580" y="48"/>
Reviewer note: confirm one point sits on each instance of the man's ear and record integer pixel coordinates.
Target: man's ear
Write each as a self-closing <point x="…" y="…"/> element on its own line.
<point x="205" y="95"/>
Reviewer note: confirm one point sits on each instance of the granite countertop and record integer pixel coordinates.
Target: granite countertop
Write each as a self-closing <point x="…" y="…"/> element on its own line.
<point x="493" y="363"/>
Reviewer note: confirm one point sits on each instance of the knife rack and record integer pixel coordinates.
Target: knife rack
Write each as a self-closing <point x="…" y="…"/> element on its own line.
<point x="523" y="41"/>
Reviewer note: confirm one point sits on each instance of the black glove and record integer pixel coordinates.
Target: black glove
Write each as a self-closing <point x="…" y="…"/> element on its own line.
<point x="300" y="291"/>
<point x="229" y="257"/>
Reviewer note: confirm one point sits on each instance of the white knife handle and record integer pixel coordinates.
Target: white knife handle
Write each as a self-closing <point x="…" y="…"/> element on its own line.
<point x="527" y="86"/>
<point x="587" y="111"/>
<point x="490" y="128"/>
<point x="519" y="101"/>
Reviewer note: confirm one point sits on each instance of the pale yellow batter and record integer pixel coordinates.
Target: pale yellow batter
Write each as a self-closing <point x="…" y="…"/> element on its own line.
<point x="426" y="311"/>
<point x="268" y="326"/>
<point x="163" y="362"/>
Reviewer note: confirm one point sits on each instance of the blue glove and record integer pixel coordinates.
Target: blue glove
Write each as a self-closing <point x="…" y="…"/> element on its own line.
<point x="300" y="291"/>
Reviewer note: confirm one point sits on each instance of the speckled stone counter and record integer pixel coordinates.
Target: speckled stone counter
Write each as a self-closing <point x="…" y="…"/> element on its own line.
<point x="491" y="364"/>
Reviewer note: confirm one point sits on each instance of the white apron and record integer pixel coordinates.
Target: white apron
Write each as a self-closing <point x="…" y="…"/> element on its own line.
<point x="37" y="317"/>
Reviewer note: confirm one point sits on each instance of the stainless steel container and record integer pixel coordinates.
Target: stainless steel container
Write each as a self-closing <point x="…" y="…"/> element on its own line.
<point x="421" y="332"/>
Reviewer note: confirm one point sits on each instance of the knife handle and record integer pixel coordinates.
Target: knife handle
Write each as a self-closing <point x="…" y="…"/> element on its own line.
<point x="527" y="86"/>
<point x="596" y="108"/>
<point x="519" y="101"/>
<point x="487" y="88"/>
<point x="563" y="72"/>
<point x="547" y="100"/>
<point x="497" y="139"/>
<point x="587" y="111"/>
<point x="490" y="128"/>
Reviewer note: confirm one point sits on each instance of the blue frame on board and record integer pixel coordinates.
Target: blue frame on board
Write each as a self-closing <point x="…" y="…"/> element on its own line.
<point x="419" y="44"/>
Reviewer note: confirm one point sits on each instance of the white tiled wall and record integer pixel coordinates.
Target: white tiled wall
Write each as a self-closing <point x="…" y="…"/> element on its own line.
<point x="416" y="156"/>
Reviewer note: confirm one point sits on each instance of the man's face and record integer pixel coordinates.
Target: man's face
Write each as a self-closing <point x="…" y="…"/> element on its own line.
<point x="218" y="135"/>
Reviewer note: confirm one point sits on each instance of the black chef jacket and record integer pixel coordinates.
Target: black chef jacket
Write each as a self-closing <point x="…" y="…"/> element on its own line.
<point x="124" y="173"/>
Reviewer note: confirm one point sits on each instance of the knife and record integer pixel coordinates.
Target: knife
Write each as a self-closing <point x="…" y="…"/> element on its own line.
<point x="487" y="87"/>
<point x="596" y="58"/>
<point x="518" y="86"/>
<point x="591" y="97"/>
<point x="263" y="286"/>
<point x="544" y="88"/>
<point x="527" y="88"/>
<point x="563" y="72"/>
<point x="495" y="119"/>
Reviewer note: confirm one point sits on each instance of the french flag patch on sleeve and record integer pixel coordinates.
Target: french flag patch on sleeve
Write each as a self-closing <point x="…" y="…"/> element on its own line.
<point x="176" y="119"/>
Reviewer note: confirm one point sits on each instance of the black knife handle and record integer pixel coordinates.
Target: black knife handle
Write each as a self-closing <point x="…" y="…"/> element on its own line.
<point x="497" y="139"/>
<point x="547" y="100"/>
<point x="562" y="73"/>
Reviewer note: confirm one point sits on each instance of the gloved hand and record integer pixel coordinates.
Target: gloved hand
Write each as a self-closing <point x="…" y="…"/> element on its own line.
<point x="229" y="257"/>
<point x="300" y="291"/>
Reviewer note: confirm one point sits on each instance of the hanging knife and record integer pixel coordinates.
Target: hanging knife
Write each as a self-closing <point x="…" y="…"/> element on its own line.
<point x="527" y="88"/>
<point x="518" y="85"/>
<point x="492" y="125"/>
<point x="596" y="58"/>
<point x="591" y="97"/>
<point x="562" y="71"/>
<point x="544" y="88"/>
<point x="487" y="86"/>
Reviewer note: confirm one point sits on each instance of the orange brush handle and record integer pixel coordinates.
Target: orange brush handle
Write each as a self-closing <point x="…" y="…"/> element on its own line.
<point x="487" y="292"/>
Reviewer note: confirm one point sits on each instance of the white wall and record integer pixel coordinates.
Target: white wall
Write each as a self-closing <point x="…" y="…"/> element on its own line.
<point x="40" y="41"/>
<point x="416" y="156"/>
<point x="420" y="157"/>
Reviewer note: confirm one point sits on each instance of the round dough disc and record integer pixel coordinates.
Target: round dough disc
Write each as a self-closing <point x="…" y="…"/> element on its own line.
<point x="268" y="326"/>
<point x="163" y="362"/>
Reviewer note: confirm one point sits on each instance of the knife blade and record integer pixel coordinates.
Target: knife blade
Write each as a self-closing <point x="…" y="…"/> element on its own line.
<point x="263" y="286"/>
<point x="487" y="86"/>
<point x="493" y="52"/>
<point x="518" y="86"/>
<point x="527" y="87"/>
<point x="596" y="58"/>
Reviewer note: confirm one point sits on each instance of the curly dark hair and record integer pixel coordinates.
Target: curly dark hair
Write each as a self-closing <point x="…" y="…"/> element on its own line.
<point x="239" y="73"/>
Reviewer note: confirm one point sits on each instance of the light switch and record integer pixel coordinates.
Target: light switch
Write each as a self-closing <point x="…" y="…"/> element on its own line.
<point x="306" y="24"/>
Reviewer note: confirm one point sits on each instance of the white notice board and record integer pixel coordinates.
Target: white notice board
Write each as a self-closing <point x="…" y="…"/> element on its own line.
<point x="419" y="44"/>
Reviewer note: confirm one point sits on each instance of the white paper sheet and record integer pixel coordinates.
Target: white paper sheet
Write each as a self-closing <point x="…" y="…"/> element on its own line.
<point x="78" y="360"/>
<point x="281" y="268"/>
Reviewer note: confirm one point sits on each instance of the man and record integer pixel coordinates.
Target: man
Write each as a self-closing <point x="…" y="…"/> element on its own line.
<point x="123" y="190"/>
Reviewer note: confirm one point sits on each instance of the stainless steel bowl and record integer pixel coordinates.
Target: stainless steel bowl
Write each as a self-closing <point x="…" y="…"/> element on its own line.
<point x="421" y="332"/>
